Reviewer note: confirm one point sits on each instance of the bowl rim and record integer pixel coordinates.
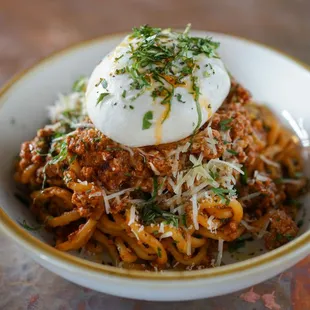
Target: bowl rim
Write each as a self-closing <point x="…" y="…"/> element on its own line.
<point x="49" y="253"/>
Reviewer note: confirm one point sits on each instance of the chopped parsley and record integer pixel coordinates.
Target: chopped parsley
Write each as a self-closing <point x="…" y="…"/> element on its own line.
<point x="152" y="213"/>
<point x="124" y="93"/>
<point x="183" y="220"/>
<point x="244" y="176"/>
<point x="298" y="175"/>
<point x="62" y="155"/>
<point x="28" y="227"/>
<point x="159" y="252"/>
<point x="79" y="85"/>
<point x="232" y="152"/>
<point x="72" y="159"/>
<point x="214" y="175"/>
<point x="179" y="98"/>
<point x="118" y="58"/>
<point x="101" y="97"/>
<point x="281" y="237"/>
<point x="224" y="124"/>
<point x="155" y="189"/>
<point x="223" y="193"/>
<point x="147" y="118"/>
<point x="103" y="83"/>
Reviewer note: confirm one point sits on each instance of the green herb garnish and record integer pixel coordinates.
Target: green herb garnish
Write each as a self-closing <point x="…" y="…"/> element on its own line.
<point x="183" y="219"/>
<point x="72" y="159"/>
<point x="28" y="227"/>
<point x="62" y="155"/>
<point x="151" y="213"/>
<point x="244" y="176"/>
<point x="101" y="97"/>
<point x="146" y="123"/>
<point x="214" y="175"/>
<point x="79" y="85"/>
<point x="224" y="124"/>
<point x="118" y="58"/>
<point x="179" y="98"/>
<point x="103" y="83"/>
<point x="159" y="252"/>
<point x="222" y="192"/>
<point x="124" y="93"/>
<point x="232" y="152"/>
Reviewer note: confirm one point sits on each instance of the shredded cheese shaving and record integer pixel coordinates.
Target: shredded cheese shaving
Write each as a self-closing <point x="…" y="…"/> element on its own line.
<point x="166" y="235"/>
<point x="211" y="225"/>
<point x="250" y="196"/>
<point x="195" y="211"/>
<point x="132" y="215"/>
<point x="269" y="162"/>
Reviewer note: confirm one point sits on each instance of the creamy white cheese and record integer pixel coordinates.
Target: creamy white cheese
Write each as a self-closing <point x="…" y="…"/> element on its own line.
<point x="119" y="115"/>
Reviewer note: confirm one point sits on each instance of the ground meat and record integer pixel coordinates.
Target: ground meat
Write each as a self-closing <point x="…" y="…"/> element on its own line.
<point x="236" y="131"/>
<point x="282" y="229"/>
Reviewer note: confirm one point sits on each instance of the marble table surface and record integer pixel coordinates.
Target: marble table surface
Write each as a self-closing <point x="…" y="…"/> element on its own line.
<point x="32" y="29"/>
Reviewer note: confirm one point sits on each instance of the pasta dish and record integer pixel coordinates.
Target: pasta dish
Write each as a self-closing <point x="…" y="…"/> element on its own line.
<point x="161" y="159"/>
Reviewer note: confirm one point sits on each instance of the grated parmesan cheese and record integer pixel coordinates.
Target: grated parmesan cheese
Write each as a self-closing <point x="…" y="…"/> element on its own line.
<point x="82" y="182"/>
<point x="211" y="225"/>
<point x="211" y="141"/>
<point x="95" y="194"/>
<point x="161" y="227"/>
<point x="135" y="234"/>
<point x="263" y="231"/>
<point x="195" y="211"/>
<point x="81" y="125"/>
<point x="235" y="166"/>
<point x="117" y="194"/>
<point x="291" y="181"/>
<point x="106" y="202"/>
<point x="247" y="226"/>
<point x="132" y="218"/>
<point x="166" y="235"/>
<point x="269" y="162"/>
<point x="260" y="177"/>
<point x="250" y="196"/>
<point x="74" y="101"/>
<point x="128" y="149"/>
<point x="154" y="168"/>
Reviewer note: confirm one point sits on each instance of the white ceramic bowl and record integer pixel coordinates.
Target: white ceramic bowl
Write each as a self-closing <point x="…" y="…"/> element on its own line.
<point x="274" y="79"/>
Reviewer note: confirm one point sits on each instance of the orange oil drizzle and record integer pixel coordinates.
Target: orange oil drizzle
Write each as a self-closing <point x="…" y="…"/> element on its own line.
<point x="159" y="125"/>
